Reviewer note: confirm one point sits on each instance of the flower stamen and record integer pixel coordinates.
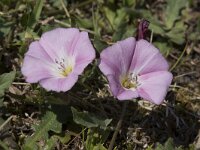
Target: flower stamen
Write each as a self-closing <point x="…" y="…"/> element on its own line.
<point x="130" y="81"/>
<point x="67" y="71"/>
<point x="64" y="68"/>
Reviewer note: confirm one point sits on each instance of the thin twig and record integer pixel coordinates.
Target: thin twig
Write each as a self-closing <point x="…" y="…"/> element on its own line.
<point x="68" y="25"/>
<point x="83" y="3"/>
<point x="5" y="123"/>
<point x="185" y="74"/>
<point x="20" y="83"/>
<point x="119" y="124"/>
<point x="66" y="11"/>
<point x="78" y="136"/>
<point x="185" y="89"/>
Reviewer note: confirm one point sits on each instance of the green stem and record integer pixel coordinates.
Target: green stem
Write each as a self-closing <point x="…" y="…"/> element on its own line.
<point x="119" y="124"/>
<point x="179" y="59"/>
<point x="66" y="11"/>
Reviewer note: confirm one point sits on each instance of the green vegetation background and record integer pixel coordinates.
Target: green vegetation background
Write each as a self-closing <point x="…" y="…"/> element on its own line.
<point x="86" y="116"/>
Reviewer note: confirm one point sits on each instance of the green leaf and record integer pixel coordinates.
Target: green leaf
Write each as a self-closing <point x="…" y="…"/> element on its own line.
<point x="65" y="139"/>
<point x="129" y="32"/>
<point x="25" y="38"/>
<point x="169" y="145"/>
<point x="163" y="47"/>
<point x="110" y="15"/>
<point x="35" y="15"/>
<point x="6" y="80"/>
<point x="89" y="120"/>
<point x="115" y="18"/>
<point x="99" y="147"/>
<point x="172" y="11"/>
<point x="37" y="9"/>
<point x="157" y="28"/>
<point x="48" y="122"/>
<point x="84" y="22"/>
<point x="56" y="3"/>
<point x="96" y="19"/>
<point x="50" y="144"/>
<point x="5" y="27"/>
<point x="3" y="145"/>
<point x="123" y="33"/>
<point x="96" y="138"/>
<point x="120" y="18"/>
<point x="99" y="45"/>
<point x="177" y="34"/>
<point x="130" y="2"/>
<point x="119" y="33"/>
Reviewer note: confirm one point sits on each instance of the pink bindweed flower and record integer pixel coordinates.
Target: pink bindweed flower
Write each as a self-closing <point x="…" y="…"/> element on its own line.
<point x="56" y="60"/>
<point x="136" y="69"/>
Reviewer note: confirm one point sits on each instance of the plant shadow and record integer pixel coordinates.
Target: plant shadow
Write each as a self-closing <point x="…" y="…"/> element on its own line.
<point x="145" y="125"/>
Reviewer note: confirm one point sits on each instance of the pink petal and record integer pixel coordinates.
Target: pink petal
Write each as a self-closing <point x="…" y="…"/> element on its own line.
<point x="58" y="42"/>
<point x="46" y="59"/>
<point x="83" y="52"/>
<point x="116" y="59"/>
<point x="59" y="84"/>
<point x="127" y="94"/>
<point x="127" y="48"/>
<point x="154" y="86"/>
<point x="114" y="84"/>
<point x="118" y="91"/>
<point x="147" y="59"/>
<point x="36" y="50"/>
<point x="34" y="69"/>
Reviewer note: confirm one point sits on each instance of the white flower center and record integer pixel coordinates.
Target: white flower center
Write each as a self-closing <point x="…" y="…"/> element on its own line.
<point x="129" y="81"/>
<point x="64" y="67"/>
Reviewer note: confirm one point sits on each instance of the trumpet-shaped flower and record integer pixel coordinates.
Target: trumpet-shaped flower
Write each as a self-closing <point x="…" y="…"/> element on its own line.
<point x="56" y="60"/>
<point x="136" y="69"/>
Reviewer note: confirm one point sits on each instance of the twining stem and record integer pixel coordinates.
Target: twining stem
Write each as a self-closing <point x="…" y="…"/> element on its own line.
<point x="119" y="124"/>
<point x="179" y="59"/>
